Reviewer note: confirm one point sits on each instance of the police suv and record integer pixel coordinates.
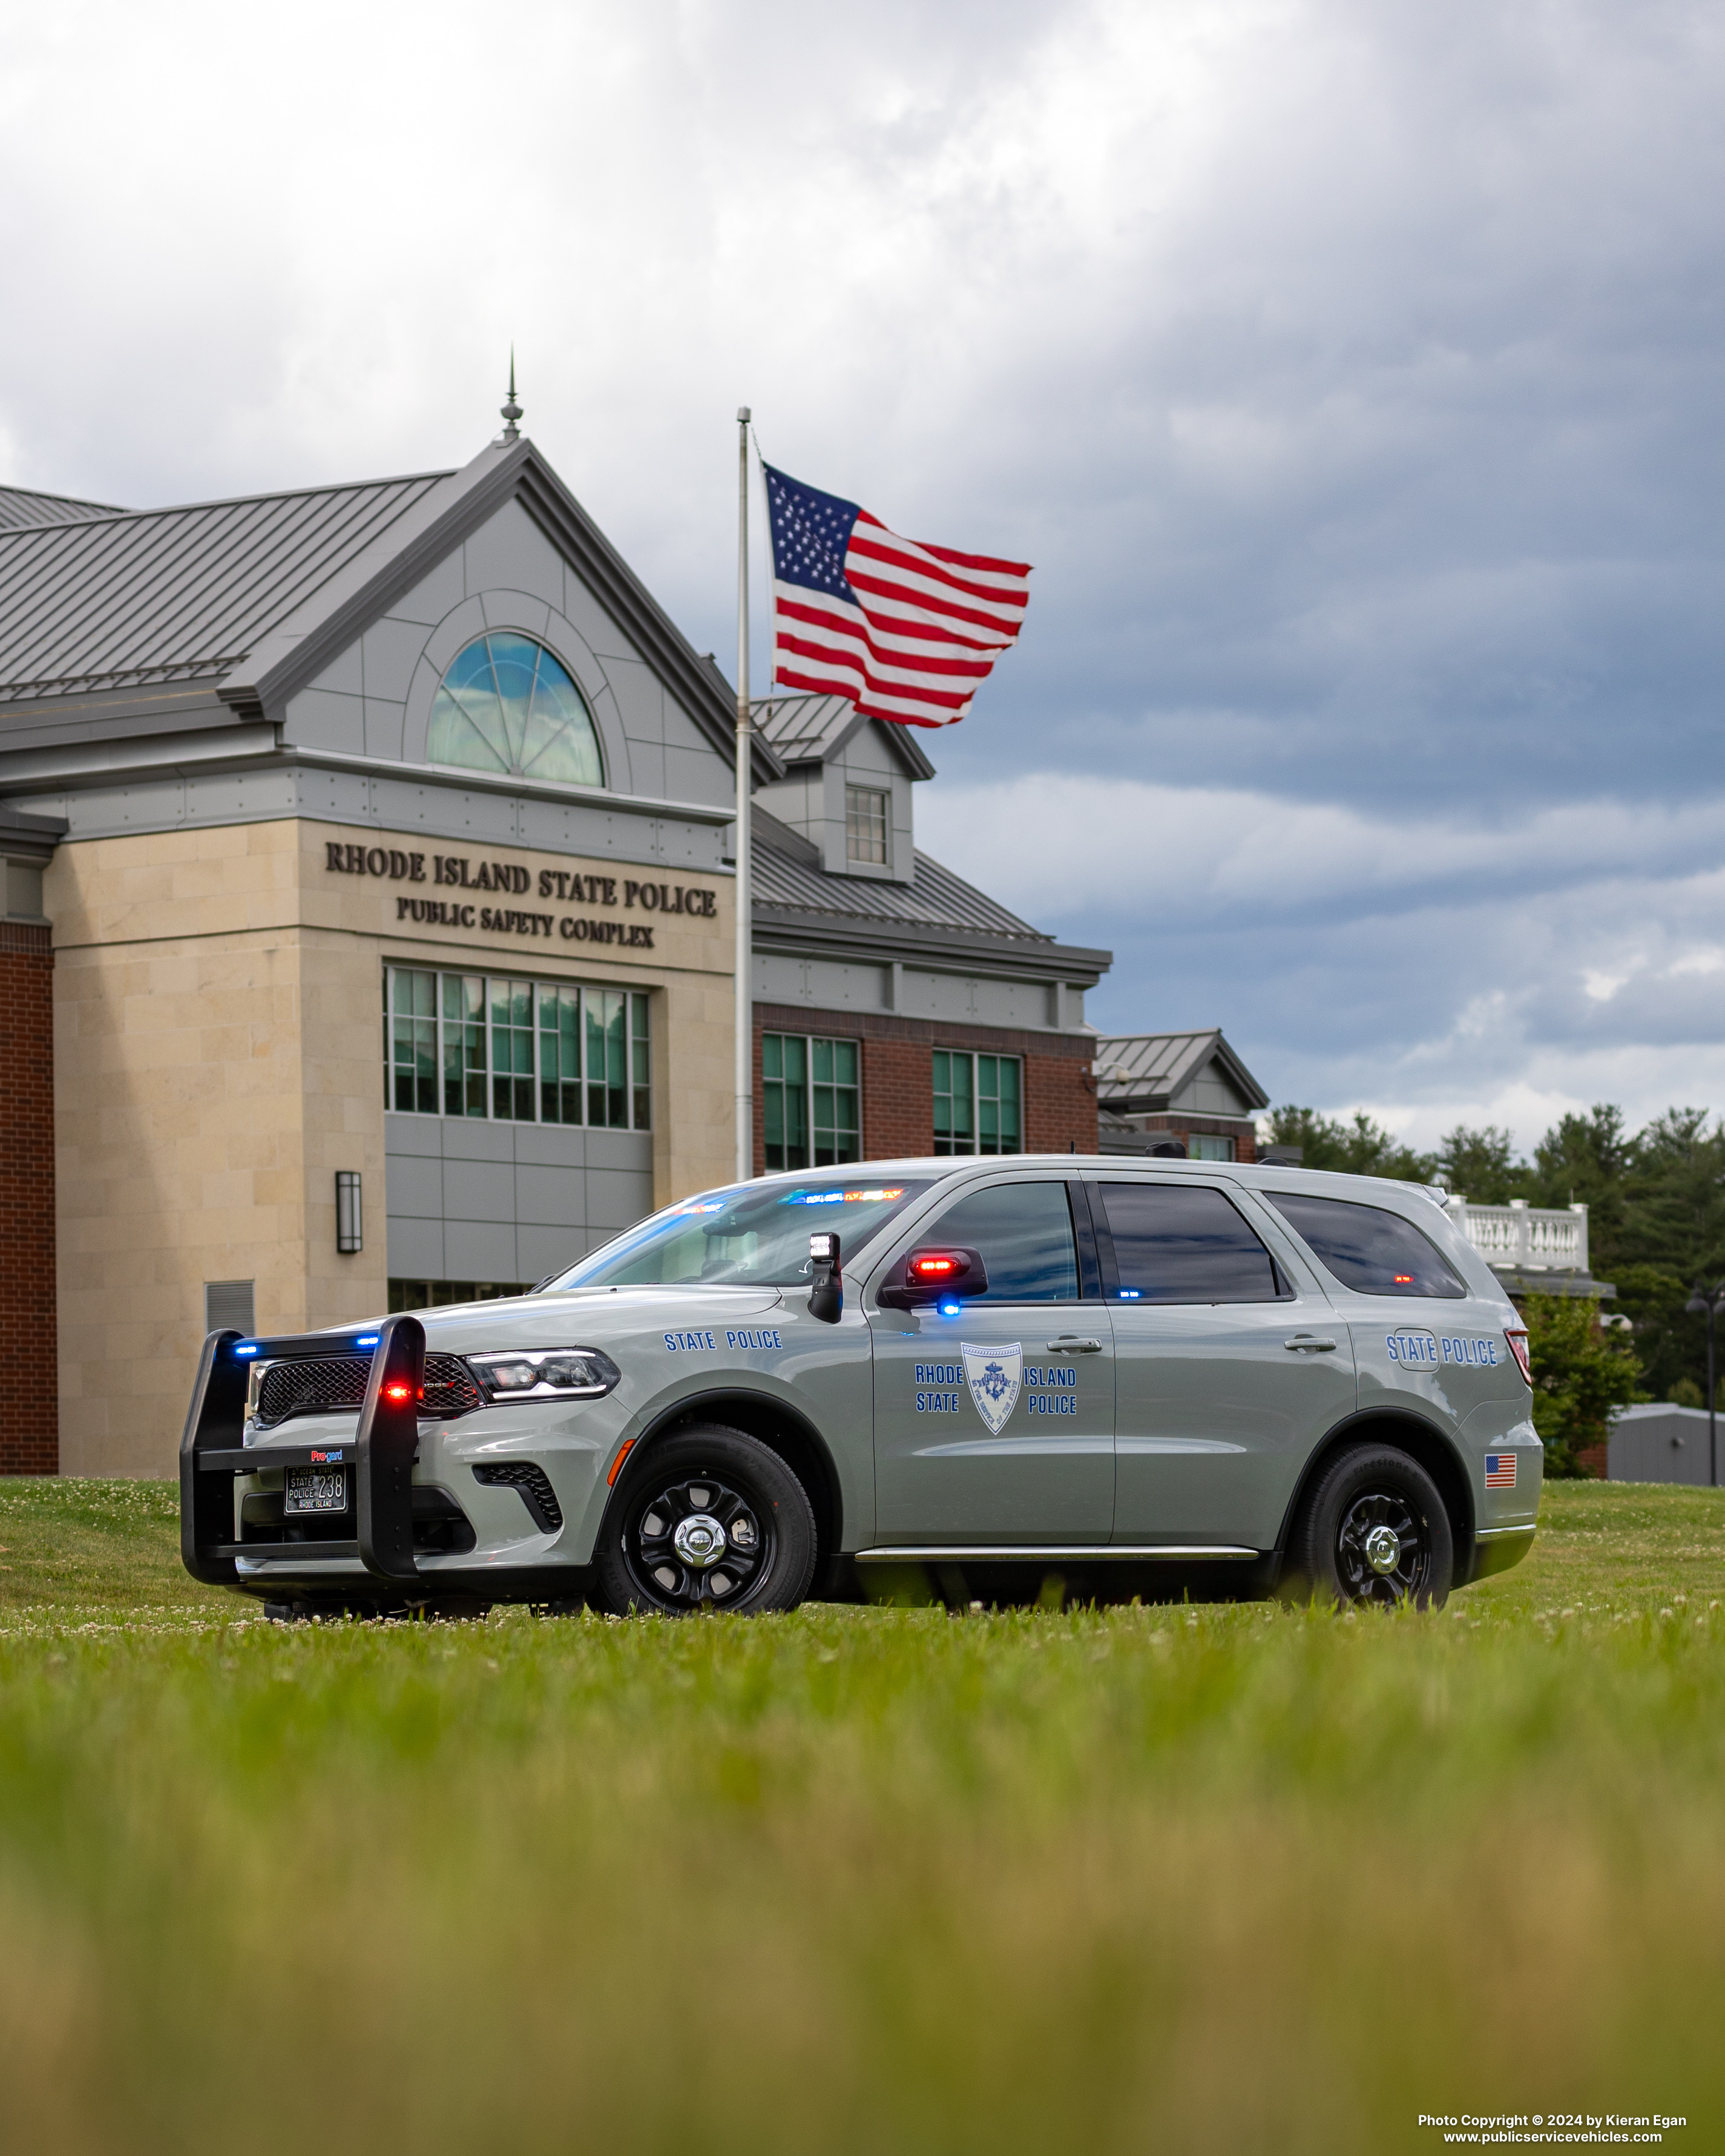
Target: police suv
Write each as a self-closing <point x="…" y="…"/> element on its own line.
<point x="1145" y="1377"/>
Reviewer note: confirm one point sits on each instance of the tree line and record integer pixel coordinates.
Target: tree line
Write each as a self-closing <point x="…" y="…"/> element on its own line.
<point x="1655" y="1200"/>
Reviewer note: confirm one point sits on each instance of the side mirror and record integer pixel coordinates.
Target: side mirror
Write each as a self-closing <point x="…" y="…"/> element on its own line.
<point x="826" y="1294"/>
<point x="931" y="1273"/>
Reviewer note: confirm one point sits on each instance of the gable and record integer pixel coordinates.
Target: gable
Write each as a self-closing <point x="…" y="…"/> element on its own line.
<point x="374" y="697"/>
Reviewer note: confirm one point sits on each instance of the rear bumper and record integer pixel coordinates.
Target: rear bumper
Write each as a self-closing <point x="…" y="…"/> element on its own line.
<point x="1496" y="1549"/>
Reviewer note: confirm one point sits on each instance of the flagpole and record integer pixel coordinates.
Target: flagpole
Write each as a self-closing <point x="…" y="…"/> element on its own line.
<point x="745" y="880"/>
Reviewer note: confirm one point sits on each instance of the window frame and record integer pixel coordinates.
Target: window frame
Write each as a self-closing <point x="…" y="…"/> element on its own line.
<point x="808" y="1085"/>
<point x="1285" y="1290"/>
<point x="462" y="1033"/>
<point x="976" y="1057"/>
<point x="855" y="815"/>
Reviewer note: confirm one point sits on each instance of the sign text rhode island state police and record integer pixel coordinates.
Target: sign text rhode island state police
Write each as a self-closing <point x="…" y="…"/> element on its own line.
<point x="457" y="872"/>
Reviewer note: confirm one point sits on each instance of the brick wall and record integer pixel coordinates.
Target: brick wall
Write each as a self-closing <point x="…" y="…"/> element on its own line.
<point x="898" y="1077"/>
<point x="30" y="1424"/>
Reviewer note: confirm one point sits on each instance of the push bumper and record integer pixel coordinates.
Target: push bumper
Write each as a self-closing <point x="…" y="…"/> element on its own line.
<point x="213" y="1452"/>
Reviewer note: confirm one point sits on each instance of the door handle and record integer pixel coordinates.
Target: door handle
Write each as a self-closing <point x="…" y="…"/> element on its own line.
<point x="1074" y="1343"/>
<point x="1308" y="1343"/>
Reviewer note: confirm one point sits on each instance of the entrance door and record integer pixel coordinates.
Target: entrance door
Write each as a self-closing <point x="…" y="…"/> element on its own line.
<point x="1229" y="1364"/>
<point x="996" y="1424"/>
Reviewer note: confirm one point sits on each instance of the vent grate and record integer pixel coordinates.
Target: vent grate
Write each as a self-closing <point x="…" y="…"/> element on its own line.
<point x="333" y="1384"/>
<point x="534" y="1484"/>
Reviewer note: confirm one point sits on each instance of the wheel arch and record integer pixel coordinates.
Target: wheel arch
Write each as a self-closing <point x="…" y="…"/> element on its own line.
<point x="782" y="1429"/>
<point x="1434" y="1449"/>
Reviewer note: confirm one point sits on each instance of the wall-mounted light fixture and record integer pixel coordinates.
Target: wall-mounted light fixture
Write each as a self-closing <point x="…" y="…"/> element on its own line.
<point x="350" y="1216"/>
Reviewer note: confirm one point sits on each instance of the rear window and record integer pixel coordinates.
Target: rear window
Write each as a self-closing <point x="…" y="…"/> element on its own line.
<point x="1182" y="1242"/>
<point x="1367" y="1248"/>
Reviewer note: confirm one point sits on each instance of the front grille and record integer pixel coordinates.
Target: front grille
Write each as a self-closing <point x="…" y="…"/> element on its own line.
<point x="330" y="1384"/>
<point x="534" y="1484"/>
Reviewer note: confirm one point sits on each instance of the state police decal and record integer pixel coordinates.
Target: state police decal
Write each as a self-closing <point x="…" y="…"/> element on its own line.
<point x="994" y="1376"/>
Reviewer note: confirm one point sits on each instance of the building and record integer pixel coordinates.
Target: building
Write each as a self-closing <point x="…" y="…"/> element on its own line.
<point x="368" y="934"/>
<point x="1187" y="1088"/>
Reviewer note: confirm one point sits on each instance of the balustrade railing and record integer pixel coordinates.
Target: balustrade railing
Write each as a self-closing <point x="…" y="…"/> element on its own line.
<point x="1537" y="1238"/>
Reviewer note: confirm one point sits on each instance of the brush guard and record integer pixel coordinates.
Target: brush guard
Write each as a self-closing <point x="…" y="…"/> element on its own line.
<point x="213" y="1452"/>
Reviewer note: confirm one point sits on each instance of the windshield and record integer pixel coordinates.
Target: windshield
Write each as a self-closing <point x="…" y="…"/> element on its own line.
<point x="754" y="1235"/>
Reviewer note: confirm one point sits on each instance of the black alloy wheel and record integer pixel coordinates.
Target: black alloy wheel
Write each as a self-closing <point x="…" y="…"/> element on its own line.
<point x="1374" y="1531"/>
<point x="1383" y="1551"/>
<point x="710" y="1520"/>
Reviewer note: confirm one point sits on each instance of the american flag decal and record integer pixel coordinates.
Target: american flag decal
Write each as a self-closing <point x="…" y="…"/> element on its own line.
<point x="1499" y="1471"/>
<point x="906" y="632"/>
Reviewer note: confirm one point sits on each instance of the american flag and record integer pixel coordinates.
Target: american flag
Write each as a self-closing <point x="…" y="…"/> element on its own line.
<point x="1499" y="1471"/>
<point x="906" y="632"/>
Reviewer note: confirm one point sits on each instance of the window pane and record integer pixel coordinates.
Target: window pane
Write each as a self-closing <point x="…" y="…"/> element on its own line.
<point x="1200" y="1147"/>
<point x="641" y="1064"/>
<point x="1377" y="1253"/>
<point x="512" y="1051"/>
<point x="412" y="1041"/>
<point x="954" y="1113"/>
<point x="865" y="815"/>
<point x="464" y="1000"/>
<point x="835" y="1103"/>
<point x="1182" y="1243"/>
<point x="559" y="1055"/>
<point x="1024" y="1233"/>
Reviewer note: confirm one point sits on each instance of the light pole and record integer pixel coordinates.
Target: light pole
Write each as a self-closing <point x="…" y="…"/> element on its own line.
<point x="1707" y="1301"/>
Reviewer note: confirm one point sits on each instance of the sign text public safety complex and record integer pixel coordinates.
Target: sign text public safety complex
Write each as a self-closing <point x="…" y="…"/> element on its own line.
<point x="457" y="871"/>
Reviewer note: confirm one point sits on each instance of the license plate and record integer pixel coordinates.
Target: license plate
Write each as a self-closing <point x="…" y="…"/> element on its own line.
<point x="316" y="1490"/>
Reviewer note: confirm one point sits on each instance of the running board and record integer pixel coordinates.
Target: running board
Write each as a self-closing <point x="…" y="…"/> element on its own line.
<point x="1061" y="1553"/>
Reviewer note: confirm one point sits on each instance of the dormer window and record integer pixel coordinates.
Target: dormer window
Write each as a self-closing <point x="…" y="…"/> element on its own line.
<point x="508" y="705"/>
<point x="865" y="824"/>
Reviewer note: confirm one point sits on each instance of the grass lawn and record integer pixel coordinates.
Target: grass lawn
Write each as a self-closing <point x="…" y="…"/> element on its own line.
<point x="1228" y="1879"/>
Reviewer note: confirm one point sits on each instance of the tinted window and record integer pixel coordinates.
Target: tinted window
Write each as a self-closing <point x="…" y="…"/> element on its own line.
<point x="1180" y="1243"/>
<point x="1024" y="1233"/>
<point x="1367" y="1248"/>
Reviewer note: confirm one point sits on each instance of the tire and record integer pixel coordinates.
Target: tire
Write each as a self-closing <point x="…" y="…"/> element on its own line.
<point x="1367" y="1494"/>
<point x="709" y="1520"/>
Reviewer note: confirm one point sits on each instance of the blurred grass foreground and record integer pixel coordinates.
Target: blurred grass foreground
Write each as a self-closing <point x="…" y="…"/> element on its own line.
<point x="1221" y="1879"/>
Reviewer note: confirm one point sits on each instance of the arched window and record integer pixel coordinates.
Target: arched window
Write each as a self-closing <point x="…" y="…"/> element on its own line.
<point x="507" y="704"/>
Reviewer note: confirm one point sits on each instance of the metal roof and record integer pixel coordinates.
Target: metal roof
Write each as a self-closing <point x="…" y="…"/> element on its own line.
<point x="118" y="599"/>
<point x="935" y="899"/>
<point x="814" y="729"/>
<point x="21" y="509"/>
<point x="1133" y="1066"/>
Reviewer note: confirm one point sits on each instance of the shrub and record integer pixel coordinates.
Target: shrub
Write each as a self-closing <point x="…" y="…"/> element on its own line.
<point x="1580" y="1372"/>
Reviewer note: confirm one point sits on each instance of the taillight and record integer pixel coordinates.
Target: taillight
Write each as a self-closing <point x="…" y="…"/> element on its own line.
<point x="1518" y="1338"/>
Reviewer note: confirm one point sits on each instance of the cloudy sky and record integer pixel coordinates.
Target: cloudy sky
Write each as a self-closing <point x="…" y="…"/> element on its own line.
<point x="1351" y="369"/>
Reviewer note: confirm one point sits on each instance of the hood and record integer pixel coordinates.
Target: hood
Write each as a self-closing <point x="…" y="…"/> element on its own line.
<point x="585" y="1317"/>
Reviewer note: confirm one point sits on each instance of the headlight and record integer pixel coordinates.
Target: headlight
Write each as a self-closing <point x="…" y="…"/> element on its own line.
<point x="545" y="1373"/>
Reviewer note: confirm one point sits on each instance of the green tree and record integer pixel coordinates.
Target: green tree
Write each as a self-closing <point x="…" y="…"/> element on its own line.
<point x="1478" y="1165"/>
<point x="1581" y="1371"/>
<point x="1358" y="1147"/>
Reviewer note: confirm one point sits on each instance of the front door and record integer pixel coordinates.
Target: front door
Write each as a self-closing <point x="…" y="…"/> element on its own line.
<point x="1231" y="1364"/>
<point x="995" y="1425"/>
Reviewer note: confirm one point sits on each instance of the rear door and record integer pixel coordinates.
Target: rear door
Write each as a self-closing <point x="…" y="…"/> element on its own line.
<point x="995" y="1425"/>
<point x="1230" y="1362"/>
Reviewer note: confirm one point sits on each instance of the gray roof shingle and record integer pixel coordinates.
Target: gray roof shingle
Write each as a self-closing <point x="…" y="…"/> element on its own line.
<point x="118" y="599"/>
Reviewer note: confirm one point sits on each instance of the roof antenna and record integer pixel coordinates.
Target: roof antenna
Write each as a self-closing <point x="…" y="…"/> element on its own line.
<point x="512" y="410"/>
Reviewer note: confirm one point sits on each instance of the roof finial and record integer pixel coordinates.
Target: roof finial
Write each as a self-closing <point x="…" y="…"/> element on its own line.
<point x="512" y="410"/>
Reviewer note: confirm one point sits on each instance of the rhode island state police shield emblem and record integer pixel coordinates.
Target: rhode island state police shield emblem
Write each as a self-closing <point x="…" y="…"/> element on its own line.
<point x="994" y="1375"/>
